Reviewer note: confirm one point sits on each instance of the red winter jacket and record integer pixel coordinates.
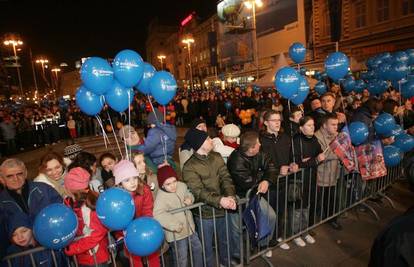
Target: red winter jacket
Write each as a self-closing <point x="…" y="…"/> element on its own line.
<point x="144" y="204"/>
<point x="92" y="235"/>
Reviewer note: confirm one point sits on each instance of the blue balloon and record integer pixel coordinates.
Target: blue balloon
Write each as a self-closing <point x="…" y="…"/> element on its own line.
<point x="399" y="70"/>
<point x="144" y="84"/>
<point x="55" y="226"/>
<point x="384" y="123"/>
<point x="386" y="57"/>
<point x="349" y="84"/>
<point x="287" y="82"/>
<point x="88" y="102"/>
<point x="97" y="75"/>
<point x="373" y="62"/>
<point x="401" y="56"/>
<point x="397" y="83"/>
<point x="336" y="65"/>
<point x="324" y="75"/>
<point x="407" y="89"/>
<point x="227" y="105"/>
<point x="317" y="75"/>
<point x="320" y="88"/>
<point x="115" y="208"/>
<point x="359" y="86"/>
<point x="392" y="155"/>
<point x="297" y="52"/>
<point x="395" y="131"/>
<point x="303" y="91"/>
<point x="144" y="236"/>
<point x="163" y="87"/>
<point x="117" y="97"/>
<point x="257" y="89"/>
<point x="369" y="75"/>
<point x="384" y="71"/>
<point x="410" y="54"/>
<point x="358" y="132"/>
<point x="128" y="67"/>
<point x="405" y="142"/>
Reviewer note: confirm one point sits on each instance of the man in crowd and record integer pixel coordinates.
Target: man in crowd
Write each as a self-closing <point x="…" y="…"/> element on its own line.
<point x="328" y="170"/>
<point x="210" y="182"/>
<point x="328" y="103"/>
<point x="250" y="166"/>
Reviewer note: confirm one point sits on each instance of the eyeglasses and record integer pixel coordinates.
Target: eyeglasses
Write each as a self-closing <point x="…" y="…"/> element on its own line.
<point x="16" y="175"/>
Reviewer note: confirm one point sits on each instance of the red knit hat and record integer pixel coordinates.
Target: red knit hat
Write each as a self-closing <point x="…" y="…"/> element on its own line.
<point x="77" y="179"/>
<point x="164" y="173"/>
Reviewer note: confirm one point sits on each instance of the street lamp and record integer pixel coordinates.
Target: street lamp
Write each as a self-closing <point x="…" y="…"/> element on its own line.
<point x="251" y="4"/>
<point x="188" y="42"/>
<point x="15" y="43"/>
<point x="161" y="58"/>
<point x="42" y="61"/>
<point x="56" y="71"/>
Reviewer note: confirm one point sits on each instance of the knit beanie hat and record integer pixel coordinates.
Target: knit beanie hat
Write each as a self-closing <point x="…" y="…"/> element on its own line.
<point x="77" y="179"/>
<point x="151" y="119"/>
<point x="230" y="130"/>
<point x="123" y="170"/>
<point x="164" y="173"/>
<point x="196" y="122"/>
<point x="72" y="151"/>
<point x="195" y="138"/>
<point x="18" y="219"/>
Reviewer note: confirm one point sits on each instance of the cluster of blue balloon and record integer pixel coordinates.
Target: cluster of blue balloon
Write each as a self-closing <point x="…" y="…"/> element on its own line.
<point x="114" y="84"/>
<point x="386" y="67"/>
<point x="292" y="84"/>
<point x="115" y="208"/>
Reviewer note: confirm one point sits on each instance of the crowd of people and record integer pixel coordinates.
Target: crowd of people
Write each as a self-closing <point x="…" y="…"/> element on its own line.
<point x="223" y="157"/>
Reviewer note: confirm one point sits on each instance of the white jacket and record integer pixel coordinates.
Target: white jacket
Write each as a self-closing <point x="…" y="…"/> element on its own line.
<point x="221" y="148"/>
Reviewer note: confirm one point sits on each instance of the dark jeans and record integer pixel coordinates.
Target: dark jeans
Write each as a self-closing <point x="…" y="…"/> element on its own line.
<point x="181" y="248"/>
<point x="208" y="232"/>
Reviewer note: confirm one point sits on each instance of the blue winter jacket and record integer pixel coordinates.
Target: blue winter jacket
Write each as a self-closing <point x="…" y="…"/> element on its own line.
<point x="42" y="258"/>
<point x="159" y="139"/>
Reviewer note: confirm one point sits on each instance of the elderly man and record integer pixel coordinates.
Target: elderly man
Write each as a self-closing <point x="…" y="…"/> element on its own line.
<point x="209" y="180"/>
<point x="20" y="195"/>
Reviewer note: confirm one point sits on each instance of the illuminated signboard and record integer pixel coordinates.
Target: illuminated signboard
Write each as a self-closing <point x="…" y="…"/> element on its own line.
<point x="187" y="19"/>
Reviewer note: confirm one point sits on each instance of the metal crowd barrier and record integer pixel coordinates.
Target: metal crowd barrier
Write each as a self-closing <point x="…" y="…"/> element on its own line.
<point x="298" y="200"/>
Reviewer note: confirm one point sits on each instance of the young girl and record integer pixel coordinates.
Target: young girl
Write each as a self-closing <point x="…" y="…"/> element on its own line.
<point x="107" y="162"/>
<point x="126" y="176"/>
<point x="72" y="127"/>
<point x="90" y="246"/>
<point x="179" y="227"/>
<point x="145" y="174"/>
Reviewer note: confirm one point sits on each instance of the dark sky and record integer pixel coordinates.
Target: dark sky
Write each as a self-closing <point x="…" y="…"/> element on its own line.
<point x="64" y="31"/>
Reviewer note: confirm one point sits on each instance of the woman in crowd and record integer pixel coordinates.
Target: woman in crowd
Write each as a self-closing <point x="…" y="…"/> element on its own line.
<point x="52" y="171"/>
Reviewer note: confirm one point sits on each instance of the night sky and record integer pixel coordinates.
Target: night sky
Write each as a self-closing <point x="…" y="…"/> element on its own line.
<point x="65" y="31"/>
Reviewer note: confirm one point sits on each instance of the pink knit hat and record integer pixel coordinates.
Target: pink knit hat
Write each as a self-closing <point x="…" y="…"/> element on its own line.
<point x="123" y="170"/>
<point x="77" y="179"/>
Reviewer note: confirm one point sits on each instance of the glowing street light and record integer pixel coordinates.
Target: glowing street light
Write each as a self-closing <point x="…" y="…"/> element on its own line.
<point x="15" y="43"/>
<point x="161" y="58"/>
<point x="42" y="61"/>
<point x="188" y="42"/>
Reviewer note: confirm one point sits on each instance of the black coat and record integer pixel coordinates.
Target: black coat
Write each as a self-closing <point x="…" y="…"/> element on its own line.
<point x="278" y="147"/>
<point x="247" y="172"/>
<point x="306" y="147"/>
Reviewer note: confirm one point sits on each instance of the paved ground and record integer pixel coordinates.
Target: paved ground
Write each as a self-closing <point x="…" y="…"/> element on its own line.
<point x="349" y="247"/>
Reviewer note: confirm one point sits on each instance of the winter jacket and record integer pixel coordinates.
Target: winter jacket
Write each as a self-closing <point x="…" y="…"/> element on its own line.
<point x="209" y="180"/>
<point x="40" y="195"/>
<point x="179" y="225"/>
<point x="329" y="170"/>
<point x="220" y="147"/>
<point x="362" y="114"/>
<point x="41" y="258"/>
<point x="247" y="172"/>
<point x="184" y="155"/>
<point x="278" y="147"/>
<point x="144" y="204"/>
<point x="57" y="185"/>
<point x="160" y="139"/>
<point x="92" y="237"/>
<point x="306" y="147"/>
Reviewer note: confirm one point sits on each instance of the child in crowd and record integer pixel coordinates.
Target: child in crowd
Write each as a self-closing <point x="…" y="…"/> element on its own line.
<point x="107" y="162"/>
<point x="90" y="246"/>
<point x="72" y="127"/>
<point x="179" y="227"/>
<point x="145" y="174"/>
<point x="126" y="177"/>
<point x="22" y="239"/>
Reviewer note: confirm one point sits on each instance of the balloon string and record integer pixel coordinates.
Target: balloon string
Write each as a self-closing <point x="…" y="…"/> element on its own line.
<point x="153" y="110"/>
<point x="103" y="130"/>
<point x="165" y="114"/>
<point x="116" y="138"/>
<point x="129" y="121"/>
<point x="291" y="133"/>
<point x="342" y="102"/>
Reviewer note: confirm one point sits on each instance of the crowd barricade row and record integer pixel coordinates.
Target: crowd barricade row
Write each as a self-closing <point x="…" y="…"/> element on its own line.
<point x="299" y="201"/>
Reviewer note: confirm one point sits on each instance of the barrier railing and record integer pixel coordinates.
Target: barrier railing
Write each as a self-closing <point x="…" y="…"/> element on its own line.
<point x="300" y="202"/>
